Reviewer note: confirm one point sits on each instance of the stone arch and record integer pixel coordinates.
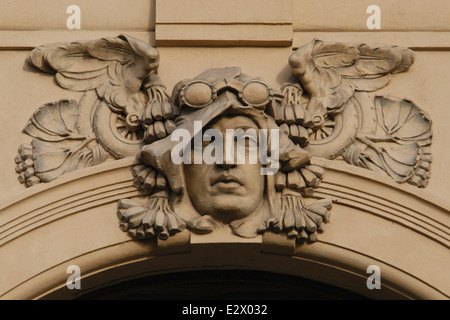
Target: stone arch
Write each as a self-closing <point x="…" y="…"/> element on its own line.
<point x="71" y="221"/>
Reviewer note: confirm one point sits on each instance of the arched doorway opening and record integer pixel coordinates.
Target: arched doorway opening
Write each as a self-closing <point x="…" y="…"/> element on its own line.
<point x="222" y="285"/>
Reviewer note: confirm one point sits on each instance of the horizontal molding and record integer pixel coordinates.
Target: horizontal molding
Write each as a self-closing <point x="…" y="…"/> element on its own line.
<point x="196" y="35"/>
<point x="27" y="40"/>
<point x="415" y="40"/>
<point x="201" y="35"/>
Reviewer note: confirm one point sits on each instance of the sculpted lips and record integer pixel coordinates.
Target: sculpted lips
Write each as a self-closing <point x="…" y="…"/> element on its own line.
<point x="226" y="178"/>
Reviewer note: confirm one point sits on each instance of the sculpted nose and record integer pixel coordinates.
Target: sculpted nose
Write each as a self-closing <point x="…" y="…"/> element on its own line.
<point x="226" y="166"/>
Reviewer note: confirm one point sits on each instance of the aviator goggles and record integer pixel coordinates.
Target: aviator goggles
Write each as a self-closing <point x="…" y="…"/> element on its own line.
<point x="199" y="94"/>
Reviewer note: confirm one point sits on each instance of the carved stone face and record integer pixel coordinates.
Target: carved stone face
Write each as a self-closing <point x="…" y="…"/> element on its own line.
<point x="226" y="191"/>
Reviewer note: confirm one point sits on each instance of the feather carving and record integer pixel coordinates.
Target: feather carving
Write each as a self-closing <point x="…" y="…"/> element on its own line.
<point x="331" y="72"/>
<point x="114" y="67"/>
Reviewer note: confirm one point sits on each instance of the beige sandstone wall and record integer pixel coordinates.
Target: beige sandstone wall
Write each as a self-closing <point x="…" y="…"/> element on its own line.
<point x="258" y="36"/>
<point x="419" y="25"/>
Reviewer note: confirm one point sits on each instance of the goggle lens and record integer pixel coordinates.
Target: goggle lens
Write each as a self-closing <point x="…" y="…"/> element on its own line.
<point x="256" y="94"/>
<point x="198" y="94"/>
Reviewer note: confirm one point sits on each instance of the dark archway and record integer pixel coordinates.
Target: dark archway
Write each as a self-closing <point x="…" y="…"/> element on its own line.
<point x="222" y="285"/>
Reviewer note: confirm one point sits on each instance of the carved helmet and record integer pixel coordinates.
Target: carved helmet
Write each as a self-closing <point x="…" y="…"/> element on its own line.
<point x="212" y="94"/>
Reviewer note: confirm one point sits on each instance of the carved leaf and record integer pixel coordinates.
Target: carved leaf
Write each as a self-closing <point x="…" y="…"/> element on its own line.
<point x="48" y="156"/>
<point x="403" y="121"/>
<point x="51" y="160"/>
<point x="400" y="147"/>
<point x="54" y="121"/>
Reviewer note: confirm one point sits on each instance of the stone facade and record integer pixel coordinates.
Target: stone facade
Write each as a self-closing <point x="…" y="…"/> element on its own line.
<point x="362" y="121"/>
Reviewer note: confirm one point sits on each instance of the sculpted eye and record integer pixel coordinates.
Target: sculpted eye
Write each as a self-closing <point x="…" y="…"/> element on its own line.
<point x="197" y="94"/>
<point x="256" y="94"/>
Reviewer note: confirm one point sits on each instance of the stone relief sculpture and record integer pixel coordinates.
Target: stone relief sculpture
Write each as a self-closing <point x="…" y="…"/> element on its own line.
<point x="113" y="75"/>
<point x="388" y="135"/>
<point x="208" y="196"/>
<point x="326" y="109"/>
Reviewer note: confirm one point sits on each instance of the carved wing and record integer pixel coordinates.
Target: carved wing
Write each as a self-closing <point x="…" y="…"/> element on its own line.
<point x="114" y="67"/>
<point x="124" y="105"/>
<point x="331" y="91"/>
<point x="331" y="72"/>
